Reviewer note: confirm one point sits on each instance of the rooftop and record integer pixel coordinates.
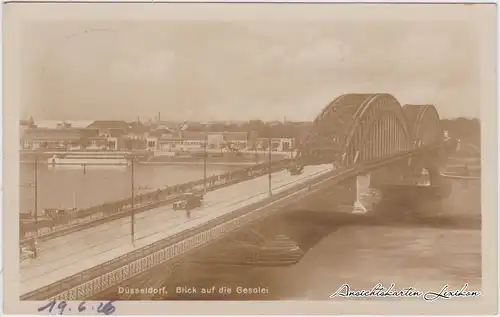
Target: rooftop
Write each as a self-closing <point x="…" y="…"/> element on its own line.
<point x="228" y="136"/>
<point x="59" y="133"/>
<point x="110" y="124"/>
<point x="54" y="123"/>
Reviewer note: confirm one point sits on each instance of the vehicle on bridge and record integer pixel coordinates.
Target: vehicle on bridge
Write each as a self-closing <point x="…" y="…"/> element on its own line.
<point x="27" y="254"/>
<point x="29" y="251"/>
<point x="296" y="169"/>
<point x="190" y="201"/>
<point x="58" y="213"/>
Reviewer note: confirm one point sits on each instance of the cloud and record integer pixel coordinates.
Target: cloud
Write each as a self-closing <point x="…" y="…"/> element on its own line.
<point x="325" y="55"/>
<point x="144" y="66"/>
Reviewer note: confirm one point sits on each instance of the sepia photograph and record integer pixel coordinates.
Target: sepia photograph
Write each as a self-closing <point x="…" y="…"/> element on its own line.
<point x="249" y="152"/>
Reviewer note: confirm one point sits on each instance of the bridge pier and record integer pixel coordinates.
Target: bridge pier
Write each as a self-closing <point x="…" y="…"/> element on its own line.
<point x="352" y="195"/>
<point x="418" y="188"/>
<point x="411" y="200"/>
<point x="362" y="192"/>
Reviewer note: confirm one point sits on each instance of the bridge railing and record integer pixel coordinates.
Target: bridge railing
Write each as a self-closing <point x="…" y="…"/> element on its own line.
<point x="142" y="202"/>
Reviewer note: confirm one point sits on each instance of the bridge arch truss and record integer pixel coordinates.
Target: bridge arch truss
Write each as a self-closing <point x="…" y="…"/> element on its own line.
<point x="425" y="124"/>
<point x="355" y="128"/>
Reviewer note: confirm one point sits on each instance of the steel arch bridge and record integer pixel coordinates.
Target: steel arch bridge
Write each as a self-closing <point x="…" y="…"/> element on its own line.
<point x="356" y="128"/>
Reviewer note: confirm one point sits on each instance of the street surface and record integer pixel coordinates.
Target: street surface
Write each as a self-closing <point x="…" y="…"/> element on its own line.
<point x="67" y="255"/>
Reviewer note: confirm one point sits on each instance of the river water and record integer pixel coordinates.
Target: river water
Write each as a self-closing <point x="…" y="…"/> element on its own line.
<point x="65" y="187"/>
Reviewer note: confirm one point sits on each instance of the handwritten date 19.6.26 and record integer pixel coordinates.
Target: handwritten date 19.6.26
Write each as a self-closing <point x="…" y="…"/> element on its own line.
<point x="61" y="307"/>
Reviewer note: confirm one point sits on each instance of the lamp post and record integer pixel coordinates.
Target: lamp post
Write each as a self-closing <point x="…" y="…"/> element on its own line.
<point x="205" y="164"/>
<point x="255" y="151"/>
<point x="269" y="162"/>
<point x="35" y="252"/>
<point x="132" y="212"/>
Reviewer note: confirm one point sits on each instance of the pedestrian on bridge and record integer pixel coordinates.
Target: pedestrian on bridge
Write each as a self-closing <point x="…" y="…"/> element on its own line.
<point x="33" y="247"/>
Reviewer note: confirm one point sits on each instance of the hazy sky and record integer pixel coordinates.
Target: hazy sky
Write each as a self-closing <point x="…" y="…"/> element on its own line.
<point x="222" y="71"/>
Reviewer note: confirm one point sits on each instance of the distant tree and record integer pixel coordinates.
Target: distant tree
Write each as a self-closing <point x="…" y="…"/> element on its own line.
<point x="129" y="144"/>
<point x="229" y="145"/>
<point x="255" y="125"/>
<point x="216" y="127"/>
<point x="83" y="141"/>
<point x="232" y="127"/>
<point x="463" y="128"/>
<point x="195" y="127"/>
<point x="284" y="131"/>
<point x="140" y="144"/>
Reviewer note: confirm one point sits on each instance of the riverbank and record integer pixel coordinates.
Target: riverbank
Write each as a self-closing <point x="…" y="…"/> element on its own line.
<point x="242" y="159"/>
<point x="199" y="163"/>
<point x="150" y="158"/>
<point x="172" y="162"/>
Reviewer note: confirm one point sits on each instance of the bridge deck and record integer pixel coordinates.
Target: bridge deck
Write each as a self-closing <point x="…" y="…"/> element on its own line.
<point x="67" y="255"/>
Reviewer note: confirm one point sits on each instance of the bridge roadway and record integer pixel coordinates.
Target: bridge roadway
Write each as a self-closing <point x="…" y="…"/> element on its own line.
<point x="67" y="255"/>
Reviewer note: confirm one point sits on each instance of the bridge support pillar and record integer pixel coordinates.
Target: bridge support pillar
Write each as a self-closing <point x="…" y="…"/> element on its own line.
<point x="409" y="200"/>
<point x="352" y="195"/>
<point x="420" y="193"/>
<point x="366" y="195"/>
<point x="362" y="183"/>
<point x="344" y="195"/>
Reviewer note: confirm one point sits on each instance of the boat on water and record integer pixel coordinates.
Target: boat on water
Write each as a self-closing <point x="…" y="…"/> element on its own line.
<point x="89" y="159"/>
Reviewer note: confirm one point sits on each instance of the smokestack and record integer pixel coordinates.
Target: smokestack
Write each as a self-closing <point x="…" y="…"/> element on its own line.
<point x="159" y="117"/>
